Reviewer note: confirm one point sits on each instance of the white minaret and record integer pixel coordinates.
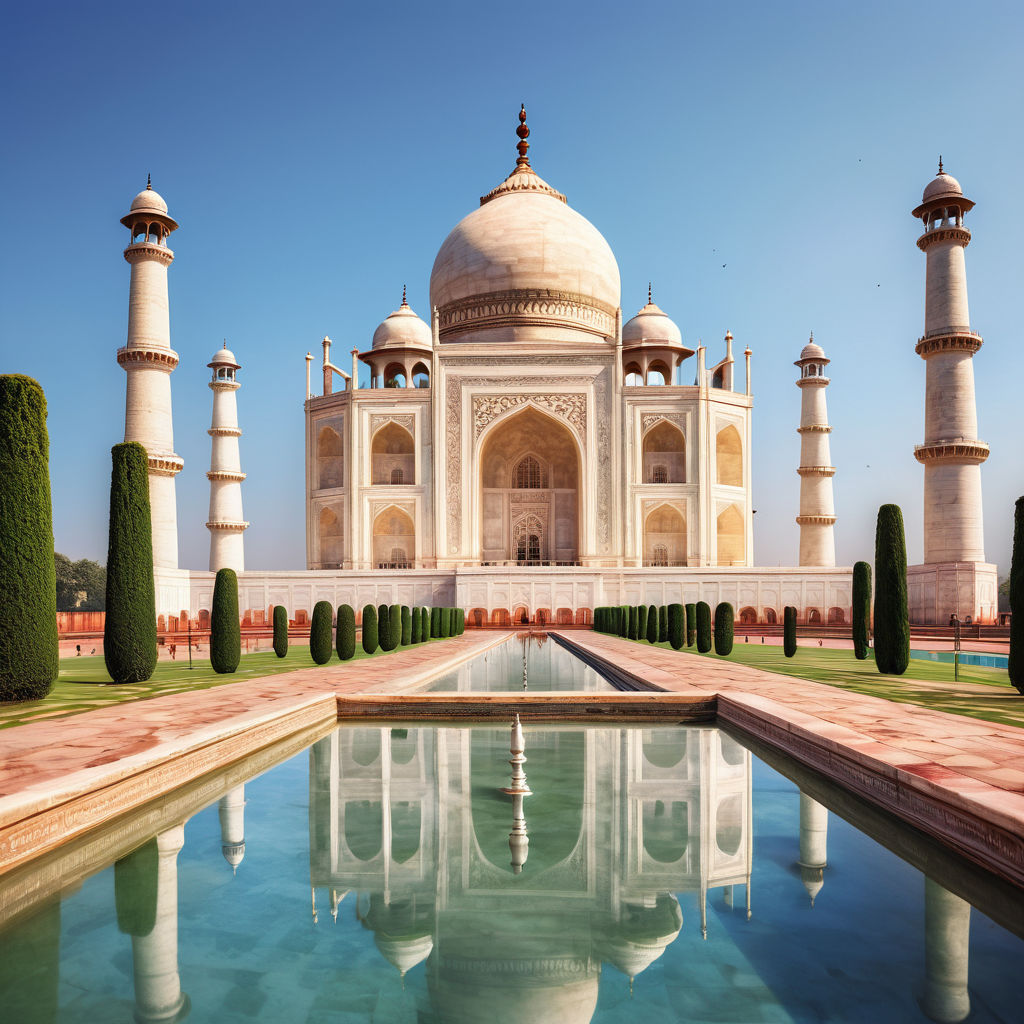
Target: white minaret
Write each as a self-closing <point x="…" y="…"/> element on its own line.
<point x="149" y="360"/>
<point x="951" y="454"/>
<point x="226" y="524"/>
<point x="817" y="509"/>
<point x="947" y="941"/>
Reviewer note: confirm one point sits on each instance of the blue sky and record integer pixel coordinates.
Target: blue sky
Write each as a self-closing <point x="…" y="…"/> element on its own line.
<point x="316" y="155"/>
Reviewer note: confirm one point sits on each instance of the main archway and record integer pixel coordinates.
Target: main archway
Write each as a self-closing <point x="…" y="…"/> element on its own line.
<point x="529" y="479"/>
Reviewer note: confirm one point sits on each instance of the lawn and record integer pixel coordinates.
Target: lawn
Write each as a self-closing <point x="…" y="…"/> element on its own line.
<point x="983" y="693"/>
<point x="83" y="683"/>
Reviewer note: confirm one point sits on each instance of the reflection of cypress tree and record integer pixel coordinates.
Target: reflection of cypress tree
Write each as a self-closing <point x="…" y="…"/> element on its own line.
<point x="30" y="967"/>
<point x="135" y="878"/>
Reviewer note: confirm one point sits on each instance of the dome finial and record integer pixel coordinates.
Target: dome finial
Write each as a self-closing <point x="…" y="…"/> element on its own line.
<point x="940" y="163"/>
<point x="649" y="298"/>
<point x="225" y="340"/>
<point x="404" y="303"/>
<point x="149" y="182"/>
<point x="523" y="131"/>
<point x="812" y="336"/>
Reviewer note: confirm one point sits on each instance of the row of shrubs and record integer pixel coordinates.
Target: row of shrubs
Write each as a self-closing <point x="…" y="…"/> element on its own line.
<point x="677" y="624"/>
<point x="383" y="626"/>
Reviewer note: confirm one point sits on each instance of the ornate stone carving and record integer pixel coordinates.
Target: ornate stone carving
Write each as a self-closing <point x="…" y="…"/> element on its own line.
<point x="527" y="307"/>
<point x="567" y="407"/>
<point x="376" y="507"/>
<point x="401" y="419"/>
<point x="953" y="341"/>
<point x="960" y="235"/>
<point x="952" y="451"/>
<point x="162" y="358"/>
<point x="648" y="419"/>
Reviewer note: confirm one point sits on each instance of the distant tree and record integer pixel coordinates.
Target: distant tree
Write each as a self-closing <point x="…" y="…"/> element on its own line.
<point x="652" y="624"/>
<point x="321" y="642"/>
<point x="725" y="619"/>
<point x="424" y="625"/>
<point x="67" y="583"/>
<point x="624" y="620"/>
<point x="280" y="630"/>
<point x="676" y="625"/>
<point x="691" y="624"/>
<point x="29" y="657"/>
<point x="892" y="618"/>
<point x="406" y="625"/>
<point x="395" y="624"/>
<point x="446" y="622"/>
<point x="129" y="628"/>
<point x="703" y="627"/>
<point x="384" y="637"/>
<point x="1016" y="663"/>
<point x="459" y="617"/>
<point x="435" y="622"/>
<point x="663" y="624"/>
<point x="861" y="609"/>
<point x="225" y="630"/>
<point x="633" y="622"/>
<point x="370" y="639"/>
<point x="345" y="632"/>
<point x="641" y="622"/>
<point x="789" y="631"/>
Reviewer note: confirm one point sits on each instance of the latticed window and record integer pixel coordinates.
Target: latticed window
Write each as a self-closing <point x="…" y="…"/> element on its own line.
<point x="659" y="554"/>
<point x="659" y="475"/>
<point x="528" y="548"/>
<point x="397" y="476"/>
<point x="528" y="473"/>
<point x="399" y="559"/>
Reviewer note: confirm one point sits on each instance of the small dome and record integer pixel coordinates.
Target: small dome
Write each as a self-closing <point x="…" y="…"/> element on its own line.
<point x="234" y="853"/>
<point x="812" y="351"/>
<point x="651" y="326"/>
<point x="403" y="329"/>
<point x="148" y="200"/>
<point x="224" y="357"/>
<point x="942" y="186"/>
<point x="404" y="952"/>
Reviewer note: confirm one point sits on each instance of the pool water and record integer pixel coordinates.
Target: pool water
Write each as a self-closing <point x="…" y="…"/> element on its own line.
<point x="966" y="658"/>
<point x="382" y="876"/>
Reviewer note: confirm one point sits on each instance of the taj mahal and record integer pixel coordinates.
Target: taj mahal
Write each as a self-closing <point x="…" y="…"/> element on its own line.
<point x="528" y="452"/>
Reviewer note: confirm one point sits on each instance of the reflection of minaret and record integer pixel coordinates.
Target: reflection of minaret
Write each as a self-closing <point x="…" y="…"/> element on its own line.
<point x="813" y="844"/>
<point x="947" y="934"/>
<point x="231" y="808"/>
<point x="518" y="841"/>
<point x="158" y="995"/>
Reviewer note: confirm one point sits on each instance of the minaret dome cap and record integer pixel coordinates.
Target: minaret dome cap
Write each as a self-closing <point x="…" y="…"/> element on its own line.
<point x="224" y="357"/>
<point x="403" y="329"/>
<point x="149" y="202"/>
<point x="651" y="326"/>
<point x="943" y="187"/>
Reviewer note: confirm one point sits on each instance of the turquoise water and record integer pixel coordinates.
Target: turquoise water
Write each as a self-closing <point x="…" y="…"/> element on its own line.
<point x="966" y="658"/>
<point x="371" y="878"/>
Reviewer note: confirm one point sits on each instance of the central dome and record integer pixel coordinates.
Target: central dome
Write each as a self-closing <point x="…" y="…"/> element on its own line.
<point x="525" y="265"/>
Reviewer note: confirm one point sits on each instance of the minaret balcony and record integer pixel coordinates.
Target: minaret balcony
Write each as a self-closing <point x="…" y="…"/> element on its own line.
<point x="165" y="465"/>
<point x="224" y="432"/>
<point x="820" y="382"/>
<point x="950" y="233"/>
<point x="948" y="341"/>
<point x="816" y="520"/>
<point x="237" y="526"/>
<point x="817" y="470"/>
<point x="815" y="428"/>
<point x="161" y="358"/>
<point x="225" y="474"/>
<point x="966" y="453"/>
<point x="148" y="251"/>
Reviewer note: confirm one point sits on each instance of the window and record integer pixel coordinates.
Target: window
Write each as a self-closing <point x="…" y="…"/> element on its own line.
<point x="396" y="476"/>
<point x="528" y="549"/>
<point x="528" y="473"/>
<point x="659" y="555"/>
<point x="399" y="559"/>
<point x="659" y="475"/>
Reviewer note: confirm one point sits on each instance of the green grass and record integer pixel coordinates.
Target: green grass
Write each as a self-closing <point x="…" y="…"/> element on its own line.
<point x="83" y="683"/>
<point x="927" y="684"/>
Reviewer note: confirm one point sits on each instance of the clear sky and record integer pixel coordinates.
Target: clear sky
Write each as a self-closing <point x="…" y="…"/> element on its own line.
<point x="757" y="162"/>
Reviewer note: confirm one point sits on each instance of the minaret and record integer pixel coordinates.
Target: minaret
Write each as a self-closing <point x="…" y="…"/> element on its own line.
<point x="226" y="524"/>
<point x="947" y="940"/>
<point x="817" y="509"/>
<point x="149" y="360"/>
<point x="951" y="454"/>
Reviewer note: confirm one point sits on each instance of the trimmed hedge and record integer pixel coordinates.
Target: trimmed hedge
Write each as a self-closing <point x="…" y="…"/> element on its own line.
<point x="129" y="630"/>
<point x="435" y="622"/>
<point x="414" y="633"/>
<point x="384" y="638"/>
<point x="892" y="619"/>
<point x="460" y="620"/>
<point x="676" y="625"/>
<point x="346" y="632"/>
<point x="29" y="654"/>
<point x="652" y="625"/>
<point x="691" y="624"/>
<point x="371" y="640"/>
<point x="623" y="620"/>
<point x="789" y="631"/>
<point x="395" y="625"/>
<point x="861" y="609"/>
<point x="321" y="643"/>
<point x="280" y="630"/>
<point x="1015" y="666"/>
<point x="424" y="625"/>
<point x="663" y="624"/>
<point x="446" y="622"/>
<point x="641" y="622"/>
<point x="406" y="625"/>
<point x="703" y="627"/>
<point x="225" y="630"/>
<point x="725" y="619"/>
<point x="135" y="888"/>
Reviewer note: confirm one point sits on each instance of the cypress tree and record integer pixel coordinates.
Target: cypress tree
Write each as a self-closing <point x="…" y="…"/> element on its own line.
<point x="320" y="639"/>
<point x="861" y="609"/>
<point x="417" y="624"/>
<point x="641" y="623"/>
<point x="624" y="615"/>
<point x="346" y="632"/>
<point x="406" y="626"/>
<point x="789" y="631"/>
<point x="280" y="630"/>
<point x="892" y="620"/>
<point x="435" y="622"/>
<point x="460" y="621"/>
<point x="225" y="630"/>
<point x="446" y="623"/>
<point x="395" y="625"/>
<point x="424" y="625"/>
<point x="676" y="625"/>
<point x="370" y="638"/>
<point x="129" y="631"/>
<point x="29" y="653"/>
<point x="691" y="624"/>
<point x="1016" y="662"/>
<point x="384" y="628"/>
<point x="652" y="625"/>
<point x="663" y="624"/>
<point x="703" y="627"/>
<point x="724" y="622"/>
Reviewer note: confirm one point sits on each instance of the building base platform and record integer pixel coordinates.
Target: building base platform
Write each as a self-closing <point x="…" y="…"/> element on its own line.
<point x="940" y="589"/>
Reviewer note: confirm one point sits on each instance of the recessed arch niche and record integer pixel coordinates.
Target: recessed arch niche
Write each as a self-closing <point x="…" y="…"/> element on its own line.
<point x="729" y="457"/>
<point x="394" y="539"/>
<point x="665" y="537"/>
<point x="392" y="449"/>
<point x="331" y="537"/>
<point x="731" y="537"/>
<point x="529" y="486"/>
<point x="664" y="454"/>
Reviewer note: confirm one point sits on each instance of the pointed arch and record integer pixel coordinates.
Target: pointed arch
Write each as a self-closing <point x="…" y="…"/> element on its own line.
<point x="729" y="457"/>
<point x="330" y="537"/>
<point x="664" y="453"/>
<point x="329" y="455"/>
<point x="392" y="447"/>
<point x="394" y="538"/>
<point x="731" y="537"/>
<point x="665" y="536"/>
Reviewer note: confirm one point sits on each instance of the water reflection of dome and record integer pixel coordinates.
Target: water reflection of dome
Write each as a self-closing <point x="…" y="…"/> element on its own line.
<point x="643" y="934"/>
<point x="404" y="951"/>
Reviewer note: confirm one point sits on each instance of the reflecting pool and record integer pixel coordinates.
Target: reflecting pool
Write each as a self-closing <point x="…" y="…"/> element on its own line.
<point x="493" y="874"/>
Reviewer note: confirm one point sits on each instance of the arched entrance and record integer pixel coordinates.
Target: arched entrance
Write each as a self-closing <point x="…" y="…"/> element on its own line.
<point x="394" y="539"/>
<point x="529" y="472"/>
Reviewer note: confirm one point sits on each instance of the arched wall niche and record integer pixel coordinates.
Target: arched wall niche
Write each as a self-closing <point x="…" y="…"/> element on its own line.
<point x="394" y="539"/>
<point x="529" y="475"/>
<point x="729" y="457"/>
<point x="329" y="454"/>
<point x="392" y="448"/>
<point x="731" y="537"/>
<point x="665" y="536"/>
<point x="664" y="447"/>
<point x="331" y="538"/>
